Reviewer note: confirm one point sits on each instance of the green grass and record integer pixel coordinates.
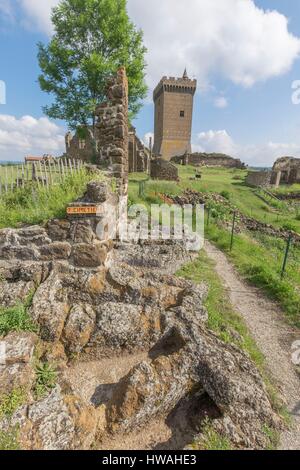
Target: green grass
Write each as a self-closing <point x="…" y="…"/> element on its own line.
<point x="273" y="437"/>
<point x="232" y="182"/>
<point x="227" y="323"/>
<point x="259" y="258"/>
<point x="221" y="316"/>
<point x="259" y="261"/>
<point x="36" y="205"/>
<point x="9" y="403"/>
<point x="46" y="377"/>
<point x="211" y="440"/>
<point x="9" y="440"/>
<point x="17" y="318"/>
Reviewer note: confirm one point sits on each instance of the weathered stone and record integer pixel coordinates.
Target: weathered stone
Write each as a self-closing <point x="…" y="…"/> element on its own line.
<point x="15" y="376"/>
<point x="19" y="252"/>
<point x="50" y="307"/>
<point x="79" y="327"/>
<point x="58" y="230"/>
<point x="82" y="232"/>
<point x="56" y="250"/>
<point x="12" y="293"/>
<point x="97" y="191"/>
<point x="19" y="347"/>
<point x="87" y="255"/>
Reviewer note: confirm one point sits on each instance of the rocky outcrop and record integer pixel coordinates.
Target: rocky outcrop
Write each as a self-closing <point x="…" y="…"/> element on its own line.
<point x="135" y="305"/>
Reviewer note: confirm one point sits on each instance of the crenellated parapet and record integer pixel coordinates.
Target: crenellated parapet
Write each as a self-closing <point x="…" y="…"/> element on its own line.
<point x="175" y="85"/>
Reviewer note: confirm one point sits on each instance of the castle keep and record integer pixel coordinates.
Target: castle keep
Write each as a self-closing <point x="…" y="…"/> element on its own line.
<point x="173" y="100"/>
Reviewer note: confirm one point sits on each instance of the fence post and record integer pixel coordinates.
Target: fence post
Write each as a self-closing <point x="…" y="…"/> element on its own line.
<point x="232" y="231"/>
<point x="288" y="246"/>
<point x="208" y="216"/>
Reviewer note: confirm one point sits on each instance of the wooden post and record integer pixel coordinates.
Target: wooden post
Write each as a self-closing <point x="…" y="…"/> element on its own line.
<point x="6" y="180"/>
<point x="232" y="231"/>
<point x="288" y="246"/>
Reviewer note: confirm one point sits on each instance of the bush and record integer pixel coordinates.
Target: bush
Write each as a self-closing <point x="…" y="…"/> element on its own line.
<point x="46" y="377"/>
<point x="9" y="403"/>
<point x="225" y="195"/>
<point x="17" y="318"/>
<point x="289" y="226"/>
<point x="9" y="440"/>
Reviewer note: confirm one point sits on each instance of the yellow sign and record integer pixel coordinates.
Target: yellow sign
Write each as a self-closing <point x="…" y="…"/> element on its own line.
<point x="82" y="210"/>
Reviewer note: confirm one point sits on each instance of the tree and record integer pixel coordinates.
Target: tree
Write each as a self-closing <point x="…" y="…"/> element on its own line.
<point x="92" y="39"/>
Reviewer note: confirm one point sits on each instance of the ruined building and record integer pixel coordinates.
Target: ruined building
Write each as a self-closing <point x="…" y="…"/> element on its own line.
<point x="209" y="159"/>
<point x="138" y="154"/>
<point x="286" y="170"/>
<point x="173" y="100"/>
<point x="88" y="149"/>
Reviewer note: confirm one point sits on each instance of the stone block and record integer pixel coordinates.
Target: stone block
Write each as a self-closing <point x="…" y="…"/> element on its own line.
<point x="89" y="255"/>
<point x="56" y="250"/>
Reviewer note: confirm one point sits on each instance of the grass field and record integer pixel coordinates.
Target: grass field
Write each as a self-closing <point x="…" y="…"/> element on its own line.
<point x="257" y="257"/>
<point x="36" y="204"/>
<point x="18" y="174"/>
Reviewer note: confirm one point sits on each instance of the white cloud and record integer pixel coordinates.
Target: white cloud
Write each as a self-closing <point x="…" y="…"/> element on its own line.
<point x="38" y="14"/>
<point x="215" y="141"/>
<point x="221" y="102"/>
<point x="262" y="155"/>
<point x="233" y="38"/>
<point x="27" y="135"/>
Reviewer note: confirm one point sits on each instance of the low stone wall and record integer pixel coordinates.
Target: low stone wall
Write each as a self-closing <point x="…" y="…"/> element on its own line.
<point x="73" y="239"/>
<point x="163" y="170"/>
<point x="259" y="178"/>
<point x="209" y="159"/>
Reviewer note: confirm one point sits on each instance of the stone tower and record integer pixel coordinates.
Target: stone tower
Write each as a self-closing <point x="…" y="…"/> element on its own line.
<point x="173" y="100"/>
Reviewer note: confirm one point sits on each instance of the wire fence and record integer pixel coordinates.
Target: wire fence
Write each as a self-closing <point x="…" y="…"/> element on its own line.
<point x="290" y="249"/>
<point x="41" y="173"/>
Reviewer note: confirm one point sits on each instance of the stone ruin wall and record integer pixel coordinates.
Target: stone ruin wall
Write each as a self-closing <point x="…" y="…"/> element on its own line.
<point x="205" y="159"/>
<point x="259" y="178"/>
<point x="163" y="170"/>
<point x="113" y="129"/>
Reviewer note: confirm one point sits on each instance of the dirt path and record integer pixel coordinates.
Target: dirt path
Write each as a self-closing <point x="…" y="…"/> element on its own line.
<point x="273" y="336"/>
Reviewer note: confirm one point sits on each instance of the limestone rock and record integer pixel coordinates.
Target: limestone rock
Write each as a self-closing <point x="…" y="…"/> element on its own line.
<point x="50" y="307"/>
<point x="19" y="347"/>
<point x="56" y="250"/>
<point x="89" y="255"/>
<point x="58" y="230"/>
<point x="97" y="191"/>
<point x="17" y="375"/>
<point x="79" y="327"/>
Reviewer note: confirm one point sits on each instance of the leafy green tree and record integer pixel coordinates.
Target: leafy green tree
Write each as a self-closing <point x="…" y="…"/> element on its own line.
<point x="92" y="39"/>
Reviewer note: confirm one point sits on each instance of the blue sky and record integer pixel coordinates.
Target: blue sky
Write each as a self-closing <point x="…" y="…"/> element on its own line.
<point x="244" y="54"/>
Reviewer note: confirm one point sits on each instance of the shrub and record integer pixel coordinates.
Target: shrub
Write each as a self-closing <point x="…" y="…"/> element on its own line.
<point x="289" y="226"/>
<point x="9" y="440"/>
<point x="225" y="195"/>
<point x="17" y="318"/>
<point x="46" y="377"/>
<point x="9" y="403"/>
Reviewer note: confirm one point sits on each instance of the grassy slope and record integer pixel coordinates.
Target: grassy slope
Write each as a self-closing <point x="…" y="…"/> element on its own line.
<point x="35" y="205"/>
<point x="220" y="179"/>
<point x="232" y="329"/>
<point x="258" y="258"/>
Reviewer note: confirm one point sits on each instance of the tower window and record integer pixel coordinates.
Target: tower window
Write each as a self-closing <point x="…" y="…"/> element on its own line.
<point x="181" y="113"/>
